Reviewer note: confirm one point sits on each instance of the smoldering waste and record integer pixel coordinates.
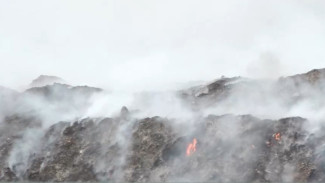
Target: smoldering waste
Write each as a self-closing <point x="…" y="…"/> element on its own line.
<point x="218" y="148"/>
<point x="229" y="148"/>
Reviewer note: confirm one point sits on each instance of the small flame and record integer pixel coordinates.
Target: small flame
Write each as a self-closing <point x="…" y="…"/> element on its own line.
<point x="277" y="136"/>
<point x="191" y="148"/>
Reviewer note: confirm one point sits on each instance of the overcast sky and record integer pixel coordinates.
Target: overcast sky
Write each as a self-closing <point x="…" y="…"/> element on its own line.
<point x="136" y="44"/>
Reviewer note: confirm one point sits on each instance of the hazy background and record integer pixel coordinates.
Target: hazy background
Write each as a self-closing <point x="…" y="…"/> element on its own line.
<point x="141" y="44"/>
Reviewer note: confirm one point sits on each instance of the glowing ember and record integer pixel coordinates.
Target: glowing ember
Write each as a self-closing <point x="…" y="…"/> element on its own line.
<point x="277" y="136"/>
<point x="191" y="148"/>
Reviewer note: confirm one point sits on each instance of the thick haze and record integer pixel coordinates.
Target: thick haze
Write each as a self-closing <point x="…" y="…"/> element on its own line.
<point x="146" y="44"/>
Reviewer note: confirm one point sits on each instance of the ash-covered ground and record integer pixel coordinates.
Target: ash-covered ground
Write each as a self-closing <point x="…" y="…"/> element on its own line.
<point x="229" y="130"/>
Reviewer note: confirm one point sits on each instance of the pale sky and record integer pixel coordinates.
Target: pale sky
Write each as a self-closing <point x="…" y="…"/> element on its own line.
<point x="137" y="44"/>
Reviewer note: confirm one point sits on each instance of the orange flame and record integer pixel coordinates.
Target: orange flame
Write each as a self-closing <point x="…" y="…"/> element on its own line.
<point x="277" y="136"/>
<point x="191" y="148"/>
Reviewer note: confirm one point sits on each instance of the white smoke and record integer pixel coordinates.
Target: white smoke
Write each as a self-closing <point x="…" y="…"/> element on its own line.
<point x="142" y="50"/>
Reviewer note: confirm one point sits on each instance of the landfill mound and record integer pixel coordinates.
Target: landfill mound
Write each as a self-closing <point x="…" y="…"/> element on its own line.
<point x="126" y="147"/>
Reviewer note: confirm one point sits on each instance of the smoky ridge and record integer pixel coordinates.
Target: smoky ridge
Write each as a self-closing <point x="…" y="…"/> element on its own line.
<point x="227" y="130"/>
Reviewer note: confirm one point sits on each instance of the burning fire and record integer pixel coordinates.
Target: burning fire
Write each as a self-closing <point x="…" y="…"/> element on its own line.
<point x="191" y="148"/>
<point x="277" y="136"/>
